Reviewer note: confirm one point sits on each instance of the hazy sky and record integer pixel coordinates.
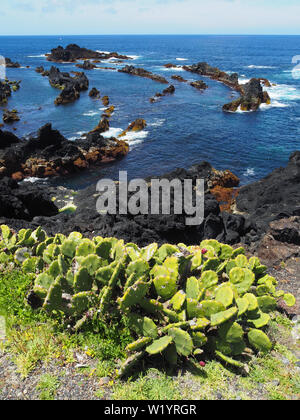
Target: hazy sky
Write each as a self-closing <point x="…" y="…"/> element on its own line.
<point x="61" y="17"/>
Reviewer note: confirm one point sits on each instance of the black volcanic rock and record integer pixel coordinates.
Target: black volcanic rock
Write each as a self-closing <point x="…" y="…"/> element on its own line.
<point x="87" y="65"/>
<point x="252" y="93"/>
<point x="204" y="69"/>
<point x="140" y="72"/>
<point x="73" y="52"/>
<point x="274" y="197"/>
<point x="70" y="86"/>
<point x="5" y="92"/>
<point x="24" y="201"/>
<point x="11" y="64"/>
<point x="252" y="96"/>
<point x="51" y="154"/>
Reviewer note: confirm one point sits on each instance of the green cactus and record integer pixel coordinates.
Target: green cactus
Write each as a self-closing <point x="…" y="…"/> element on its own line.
<point x="133" y="251"/>
<point x="133" y="295"/>
<point x="178" y="300"/>
<point x="39" y="235"/>
<point x="148" y="253"/>
<point x="211" y="265"/>
<point x="158" y="346"/>
<point x="83" y="282"/>
<point x="40" y="292"/>
<point x="199" y="339"/>
<point x="231" y="332"/>
<point x="104" y="248"/>
<point x="165" y="285"/>
<point x="192" y="288"/>
<point x="5" y="232"/>
<point x="105" y="299"/>
<point x="151" y="306"/>
<point x="68" y="248"/>
<point x="139" y="344"/>
<point x="209" y="308"/>
<point x="224" y="295"/>
<point x="51" y="253"/>
<point x="129" y="364"/>
<point x="226" y="252"/>
<point x="289" y="299"/>
<point x="53" y="301"/>
<point x="182" y="340"/>
<point x="166" y="251"/>
<point x="242" y="278"/>
<point x="267" y="303"/>
<point x="199" y="324"/>
<point x="211" y="243"/>
<point x="209" y="279"/>
<point x="260" y="341"/>
<point x="229" y="360"/>
<point x="260" y="322"/>
<point x="142" y="326"/>
<point x="241" y="261"/>
<point x="222" y="317"/>
<point x="238" y="251"/>
<point x="44" y="281"/>
<point x="173" y="316"/>
<point x="135" y="270"/>
<point x="243" y="305"/>
<point x="92" y="263"/>
<point x="252" y="300"/>
<point x="85" y="248"/>
<point x="182" y="325"/>
<point x="196" y="261"/>
<point x="54" y="269"/>
<point x="170" y="355"/>
<point x="81" y="302"/>
<point x="75" y="236"/>
<point x="103" y="275"/>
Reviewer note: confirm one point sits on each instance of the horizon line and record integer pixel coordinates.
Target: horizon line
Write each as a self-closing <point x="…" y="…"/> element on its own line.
<point x="149" y="34"/>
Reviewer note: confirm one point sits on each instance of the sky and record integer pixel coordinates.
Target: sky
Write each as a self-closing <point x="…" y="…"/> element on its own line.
<point x="84" y="17"/>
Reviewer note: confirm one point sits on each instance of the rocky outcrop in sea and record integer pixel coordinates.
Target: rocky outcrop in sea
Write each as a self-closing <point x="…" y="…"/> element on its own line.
<point x="50" y="154"/>
<point x="73" y="53"/>
<point x="140" y="72"/>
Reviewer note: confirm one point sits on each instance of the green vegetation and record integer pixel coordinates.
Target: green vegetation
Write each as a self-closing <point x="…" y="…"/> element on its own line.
<point x="145" y="307"/>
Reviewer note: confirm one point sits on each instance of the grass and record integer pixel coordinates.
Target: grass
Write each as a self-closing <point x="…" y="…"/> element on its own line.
<point x="33" y="339"/>
<point x="48" y="386"/>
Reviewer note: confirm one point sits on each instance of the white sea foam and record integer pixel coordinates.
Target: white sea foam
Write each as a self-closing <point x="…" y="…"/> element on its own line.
<point x="134" y="57"/>
<point x="243" y="80"/>
<point x="240" y="111"/>
<point x="103" y="52"/>
<point x="34" y="179"/>
<point x="91" y="113"/>
<point x="253" y="66"/>
<point x="171" y="69"/>
<point x="157" y="123"/>
<point x="37" y="56"/>
<point x="76" y="136"/>
<point x="181" y="59"/>
<point x="133" y="138"/>
<point x="282" y="92"/>
<point x="249" y="172"/>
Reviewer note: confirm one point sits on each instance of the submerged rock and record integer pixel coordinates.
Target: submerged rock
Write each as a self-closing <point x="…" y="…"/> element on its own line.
<point x="200" y="85"/>
<point x="94" y="93"/>
<point x="10" y="116"/>
<point x="87" y="65"/>
<point x="168" y="91"/>
<point x="140" y="72"/>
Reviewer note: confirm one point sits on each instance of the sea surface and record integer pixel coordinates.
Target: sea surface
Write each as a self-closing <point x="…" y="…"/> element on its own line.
<point x="182" y="129"/>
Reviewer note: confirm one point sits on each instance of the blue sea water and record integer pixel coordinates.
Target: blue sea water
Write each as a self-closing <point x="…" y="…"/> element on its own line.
<point x="183" y="129"/>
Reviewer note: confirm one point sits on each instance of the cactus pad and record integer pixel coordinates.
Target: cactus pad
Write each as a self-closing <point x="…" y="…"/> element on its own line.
<point x="158" y="346"/>
<point x="222" y="317"/>
<point x="260" y="341"/>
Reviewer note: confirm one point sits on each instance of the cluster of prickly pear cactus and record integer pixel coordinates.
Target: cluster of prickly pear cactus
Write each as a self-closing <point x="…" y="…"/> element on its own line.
<point x="179" y="301"/>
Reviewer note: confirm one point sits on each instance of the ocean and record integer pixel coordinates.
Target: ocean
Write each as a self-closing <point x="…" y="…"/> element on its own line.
<point x="182" y="129"/>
